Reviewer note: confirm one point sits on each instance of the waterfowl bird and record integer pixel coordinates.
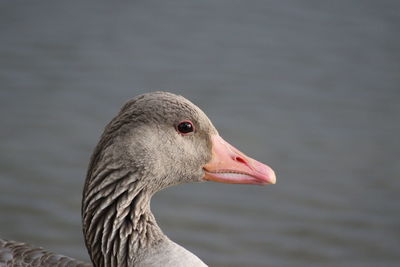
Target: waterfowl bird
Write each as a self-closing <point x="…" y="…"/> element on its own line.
<point x="157" y="140"/>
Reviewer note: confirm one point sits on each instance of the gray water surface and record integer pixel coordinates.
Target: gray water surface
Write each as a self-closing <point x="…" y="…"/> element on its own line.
<point x="311" y="88"/>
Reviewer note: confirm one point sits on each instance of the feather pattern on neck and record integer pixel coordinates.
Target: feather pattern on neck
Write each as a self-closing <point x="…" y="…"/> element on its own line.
<point x="117" y="220"/>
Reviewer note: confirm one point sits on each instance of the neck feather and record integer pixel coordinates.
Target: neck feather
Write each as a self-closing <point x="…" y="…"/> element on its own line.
<point x="117" y="222"/>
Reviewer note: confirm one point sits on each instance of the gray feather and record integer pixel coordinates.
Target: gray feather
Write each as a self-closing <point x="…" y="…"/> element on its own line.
<point x="139" y="153"/>
<point x="14" y="253"/>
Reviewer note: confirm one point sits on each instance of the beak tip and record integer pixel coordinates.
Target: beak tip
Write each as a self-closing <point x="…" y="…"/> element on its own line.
<point x="269" y="176"/>
<point x="273" y="178"/>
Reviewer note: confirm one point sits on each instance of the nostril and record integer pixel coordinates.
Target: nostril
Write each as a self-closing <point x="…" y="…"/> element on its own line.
<point x="240" y="159"/>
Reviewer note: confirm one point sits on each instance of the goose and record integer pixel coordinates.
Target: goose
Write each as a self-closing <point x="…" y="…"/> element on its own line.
<point x="157" y="140"/>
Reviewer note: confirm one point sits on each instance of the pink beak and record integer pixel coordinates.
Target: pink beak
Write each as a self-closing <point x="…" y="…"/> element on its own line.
<point x="229" y="165"/>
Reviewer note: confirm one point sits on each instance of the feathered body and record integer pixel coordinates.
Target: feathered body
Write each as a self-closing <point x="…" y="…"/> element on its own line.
<point x="157" y="140"/>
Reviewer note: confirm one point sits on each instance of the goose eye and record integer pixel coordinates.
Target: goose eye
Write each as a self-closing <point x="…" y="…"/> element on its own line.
<point x="185" y="127"/>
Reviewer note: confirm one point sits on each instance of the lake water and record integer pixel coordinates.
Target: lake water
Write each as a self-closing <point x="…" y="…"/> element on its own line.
<point x="311" y="88"/>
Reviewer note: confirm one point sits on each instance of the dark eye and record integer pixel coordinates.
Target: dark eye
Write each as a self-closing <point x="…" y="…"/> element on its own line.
<point x="185" y="127"/>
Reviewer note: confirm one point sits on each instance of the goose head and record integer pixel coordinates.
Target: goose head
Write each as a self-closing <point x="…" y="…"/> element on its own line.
<point x="157" y="140"/>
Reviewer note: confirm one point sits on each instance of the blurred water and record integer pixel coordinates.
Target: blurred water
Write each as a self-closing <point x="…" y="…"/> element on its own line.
<point x="309" y="87"/>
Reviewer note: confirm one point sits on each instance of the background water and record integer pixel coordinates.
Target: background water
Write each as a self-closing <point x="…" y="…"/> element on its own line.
<point x="310" y="87"/>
